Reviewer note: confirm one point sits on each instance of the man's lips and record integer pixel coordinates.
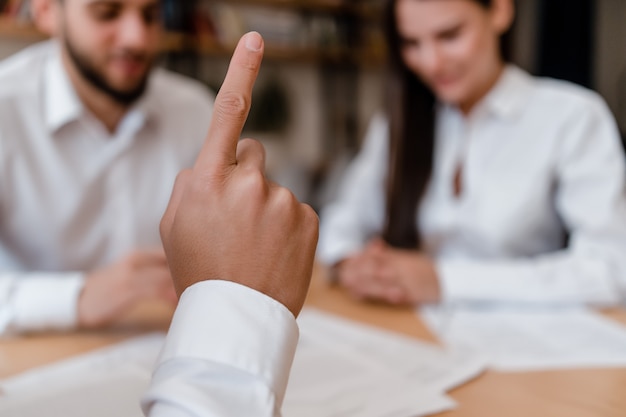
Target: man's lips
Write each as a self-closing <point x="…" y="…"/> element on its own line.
<point x="131" y="67"/>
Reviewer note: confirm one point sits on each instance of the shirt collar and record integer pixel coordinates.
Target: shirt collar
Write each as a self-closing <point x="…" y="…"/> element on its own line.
<point x="505" y="99"/>
<point x="508" y="97"/>
<point x="62" y="105"/>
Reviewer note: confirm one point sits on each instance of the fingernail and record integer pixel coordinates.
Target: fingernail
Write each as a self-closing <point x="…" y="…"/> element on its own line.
<point x="254" y="42"/>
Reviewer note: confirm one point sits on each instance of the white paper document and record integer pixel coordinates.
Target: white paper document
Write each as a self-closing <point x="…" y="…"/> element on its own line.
<point x="341" y="368"/>
<point x="104" y="383"/>
<point x="518" y="339"/>
<point x="432" y="366"/>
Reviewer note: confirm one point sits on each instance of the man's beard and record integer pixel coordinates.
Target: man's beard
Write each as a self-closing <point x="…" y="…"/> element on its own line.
<point x="90" y="73"/>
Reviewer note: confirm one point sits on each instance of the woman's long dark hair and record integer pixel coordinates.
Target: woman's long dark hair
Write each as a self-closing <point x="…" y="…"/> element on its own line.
<point x="411" y="115"/>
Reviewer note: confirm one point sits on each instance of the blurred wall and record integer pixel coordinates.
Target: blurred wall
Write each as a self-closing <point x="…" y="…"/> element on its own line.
<point x="610" y="56"/>
<point x="302" y="146"/>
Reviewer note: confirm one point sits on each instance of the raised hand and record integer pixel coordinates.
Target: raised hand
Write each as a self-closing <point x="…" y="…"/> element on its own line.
<point x="225" y="220"/>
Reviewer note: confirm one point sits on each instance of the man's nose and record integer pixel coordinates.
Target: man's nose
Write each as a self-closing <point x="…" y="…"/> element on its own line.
<point x="134" y="32"/>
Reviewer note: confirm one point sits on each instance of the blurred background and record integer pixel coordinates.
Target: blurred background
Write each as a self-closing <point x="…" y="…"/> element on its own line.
<point x="323" y="74"/>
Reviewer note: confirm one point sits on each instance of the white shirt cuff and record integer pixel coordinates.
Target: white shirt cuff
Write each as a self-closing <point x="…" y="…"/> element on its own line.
<point x="42" y="302"/>
<point x="469" y="281"/>
<point x="555" y="279"/>
<point x="261" y="334"/>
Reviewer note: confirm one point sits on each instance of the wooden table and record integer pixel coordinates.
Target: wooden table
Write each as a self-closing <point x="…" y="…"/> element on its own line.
<point x="572" y="393"/>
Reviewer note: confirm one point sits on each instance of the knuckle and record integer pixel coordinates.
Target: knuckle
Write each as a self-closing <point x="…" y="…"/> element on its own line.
<point x="286" y="195"/>
<point x="314" y="229"/>
<point x="251" y="64"/>
<point x="255" y="183"/>
<point x="285" y="199"/>
<point x="249" y="152"/>
<point x="232" y="105"/>
<point x="244" y="144"/>
<point x="256" y="178"/>
<point x="311" y="217"/>
<point x="251" y="145"/>
<point x="309" y="222"/>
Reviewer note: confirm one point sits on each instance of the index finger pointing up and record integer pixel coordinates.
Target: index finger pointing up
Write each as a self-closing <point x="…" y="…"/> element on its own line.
<point x="231" y="107"/>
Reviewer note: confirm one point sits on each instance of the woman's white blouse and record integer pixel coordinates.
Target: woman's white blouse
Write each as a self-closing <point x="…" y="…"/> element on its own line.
<point x="542" y="214"/>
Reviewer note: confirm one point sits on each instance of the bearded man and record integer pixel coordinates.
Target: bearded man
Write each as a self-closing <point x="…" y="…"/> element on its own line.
<point x="92" y="136"/>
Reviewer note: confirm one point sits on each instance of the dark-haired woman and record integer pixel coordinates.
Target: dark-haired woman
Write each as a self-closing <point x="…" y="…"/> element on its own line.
<point x="482" y="183"/>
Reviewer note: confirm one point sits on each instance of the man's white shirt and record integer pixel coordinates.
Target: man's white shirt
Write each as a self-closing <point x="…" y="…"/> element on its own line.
<point x="74" y="197"/>
<point x="541" y="158"/>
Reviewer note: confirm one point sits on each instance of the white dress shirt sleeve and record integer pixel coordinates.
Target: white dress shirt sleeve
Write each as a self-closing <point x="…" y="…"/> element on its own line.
<point x="357" y="215"/>
<point x="228" y="352"/>
<point x="591" y="201"/>
<point x="32" y="302"/>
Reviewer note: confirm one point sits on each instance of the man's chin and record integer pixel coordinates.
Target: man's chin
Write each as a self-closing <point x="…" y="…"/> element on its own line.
<point x="130" y="89"/>
<point x="126" y="96"/>
<point x="127" y="82"/>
